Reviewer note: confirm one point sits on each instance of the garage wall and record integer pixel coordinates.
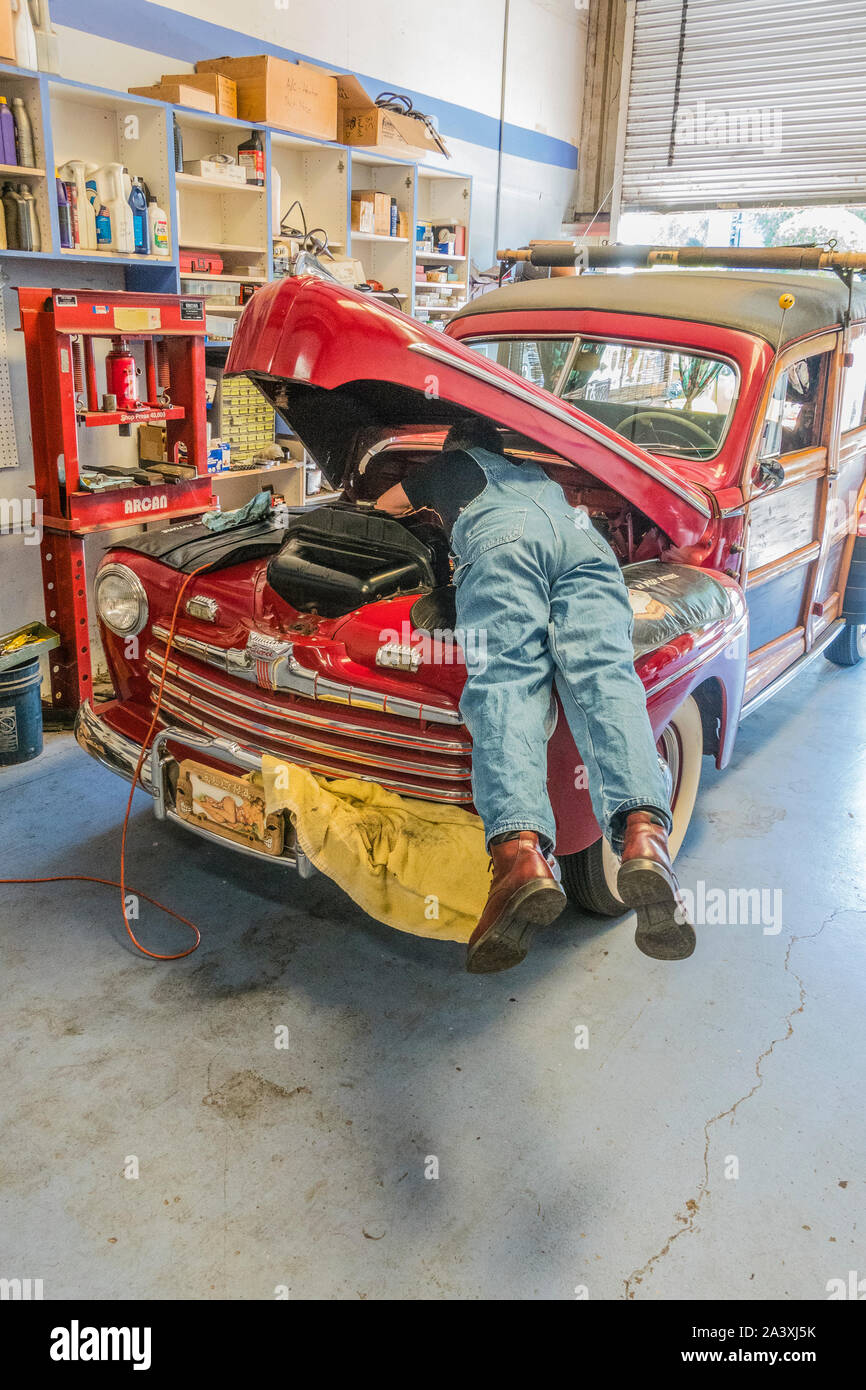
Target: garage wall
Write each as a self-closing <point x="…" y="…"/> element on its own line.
<point x="447" y="57"/>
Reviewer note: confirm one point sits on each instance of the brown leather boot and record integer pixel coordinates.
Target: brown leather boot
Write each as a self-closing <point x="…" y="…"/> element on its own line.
<point x="524" y="895"/>
<point x="646" y="882"/>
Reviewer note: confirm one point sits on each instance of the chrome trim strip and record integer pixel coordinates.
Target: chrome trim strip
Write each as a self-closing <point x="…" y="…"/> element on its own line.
<point x="558" y="413"/>
<point x="292" y="676"/>
<point x="793" y="670"/>
<point x="413" y="788"/>
<point x="293" y="715"/>
<point x="446" y="771"/>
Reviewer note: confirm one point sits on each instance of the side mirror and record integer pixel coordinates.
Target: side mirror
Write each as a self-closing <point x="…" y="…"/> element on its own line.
<point x="768" y="473"/>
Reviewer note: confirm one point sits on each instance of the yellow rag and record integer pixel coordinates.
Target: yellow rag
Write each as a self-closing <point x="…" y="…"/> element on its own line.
<point x="415" y="865"/>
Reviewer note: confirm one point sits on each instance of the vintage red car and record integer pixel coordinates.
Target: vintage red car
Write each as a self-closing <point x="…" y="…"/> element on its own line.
<point x="717" y="443"/>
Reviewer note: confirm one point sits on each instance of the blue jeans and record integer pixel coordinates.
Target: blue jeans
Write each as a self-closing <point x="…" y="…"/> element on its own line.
<point x="540" y="594"/>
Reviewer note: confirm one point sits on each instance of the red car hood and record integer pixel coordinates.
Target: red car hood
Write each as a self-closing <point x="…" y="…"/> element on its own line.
<point x="337" y="363"/>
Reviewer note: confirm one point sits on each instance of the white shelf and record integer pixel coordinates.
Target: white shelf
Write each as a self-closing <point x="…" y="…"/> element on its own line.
<point x="438" y="308"/>
<point x="217" y="185"/>
<point x="234" y="279"/>
<point x="440" y="285"/>
<point x="220" y="246"/>
<point x="436" y="256"/>
<point x="20" y="171"/>
<point x="84" y="253"/>
<point x="377" y="236"/>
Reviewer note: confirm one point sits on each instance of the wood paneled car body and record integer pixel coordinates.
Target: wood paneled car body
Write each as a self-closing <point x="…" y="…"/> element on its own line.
<point x="716" y="443"/>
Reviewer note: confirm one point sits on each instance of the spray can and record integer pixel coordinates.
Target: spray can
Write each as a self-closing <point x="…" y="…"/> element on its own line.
<point x="72" y="196"/>
<point x="178" y="146"/>
<point x="120" y="373"/>
<point x="10" y="210"/>
<point x="23" y="130"/>
<point x="64" y="214"/>
<point x="30" y="217"/>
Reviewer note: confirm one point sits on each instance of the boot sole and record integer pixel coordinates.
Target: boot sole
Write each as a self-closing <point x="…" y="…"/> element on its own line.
<point x="508" y="940"/>
<point x="647" y="888"/>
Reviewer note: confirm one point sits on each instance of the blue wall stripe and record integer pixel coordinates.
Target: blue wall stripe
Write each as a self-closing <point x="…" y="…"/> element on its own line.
<point x="158" y="29"/>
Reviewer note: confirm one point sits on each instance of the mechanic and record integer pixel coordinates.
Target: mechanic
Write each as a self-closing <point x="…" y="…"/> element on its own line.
<point x="534" y="576"/>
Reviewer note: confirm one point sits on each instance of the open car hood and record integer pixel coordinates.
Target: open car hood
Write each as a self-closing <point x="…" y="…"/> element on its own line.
<point x="338" y="364"/>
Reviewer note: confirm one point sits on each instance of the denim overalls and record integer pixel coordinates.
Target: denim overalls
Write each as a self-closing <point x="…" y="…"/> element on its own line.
<point x="540" y="592"/>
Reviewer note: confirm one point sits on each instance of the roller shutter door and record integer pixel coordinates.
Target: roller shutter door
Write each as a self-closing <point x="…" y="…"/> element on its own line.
<point x="745" y="102"/>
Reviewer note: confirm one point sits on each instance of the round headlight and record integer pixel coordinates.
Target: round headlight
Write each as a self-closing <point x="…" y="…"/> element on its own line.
<point x="121" y="602"/>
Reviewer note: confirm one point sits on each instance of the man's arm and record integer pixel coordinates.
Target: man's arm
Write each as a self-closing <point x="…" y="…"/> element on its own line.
<point x="394" y="501"/>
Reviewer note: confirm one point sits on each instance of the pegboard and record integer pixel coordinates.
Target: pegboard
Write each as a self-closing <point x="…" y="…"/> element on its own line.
<point x="8" y="442"/>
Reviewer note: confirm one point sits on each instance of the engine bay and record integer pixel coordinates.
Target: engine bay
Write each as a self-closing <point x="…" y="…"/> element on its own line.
<point x="345" y="554"/>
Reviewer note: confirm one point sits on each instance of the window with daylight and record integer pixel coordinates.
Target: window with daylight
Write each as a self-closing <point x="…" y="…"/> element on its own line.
<point x="795" y="413"/>
<point x="668" y="401"/>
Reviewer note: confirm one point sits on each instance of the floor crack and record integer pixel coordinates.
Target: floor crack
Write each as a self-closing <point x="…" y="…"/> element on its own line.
<point x="693" y="1205"/>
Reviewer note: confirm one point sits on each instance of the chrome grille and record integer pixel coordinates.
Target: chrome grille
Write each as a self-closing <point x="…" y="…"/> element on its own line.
<point x="435" y="766"/>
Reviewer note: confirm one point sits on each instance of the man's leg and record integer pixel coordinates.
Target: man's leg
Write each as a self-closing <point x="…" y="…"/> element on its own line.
<point x="503" y="607"/>
<point x="605" y="705"/>
<point x="603" y="699"/>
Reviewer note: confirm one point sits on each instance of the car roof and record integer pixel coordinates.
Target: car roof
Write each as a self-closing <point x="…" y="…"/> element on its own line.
<point x="744" y="300"/>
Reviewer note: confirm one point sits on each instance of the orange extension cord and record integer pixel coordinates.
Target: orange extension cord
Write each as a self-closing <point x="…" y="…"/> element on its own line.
<point x="113" y="883"/>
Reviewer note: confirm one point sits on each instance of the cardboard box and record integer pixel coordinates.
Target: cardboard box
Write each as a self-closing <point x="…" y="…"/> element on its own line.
<point x="151" y="443"/>
<point x="209" y="169"/>
<point x="272" y="91"/>
<point x="381" y="203"/>
<point x="7" y="34"/>
<point x="177" y="94"/>
<point x="363" y="214"/>
<point x="222" y="89"/>
<point x="362" y="122"/>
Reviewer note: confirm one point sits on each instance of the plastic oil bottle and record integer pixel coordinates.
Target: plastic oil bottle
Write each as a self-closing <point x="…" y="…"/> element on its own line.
<point x="158" y="224"/>
<point x="110" y="179"/>
<point x="74" y="172"/>
<point x="140" y="224"/>
<point x="251" y="157"/>
<point x="8" y="149"/>
<point x="25" y="36"/>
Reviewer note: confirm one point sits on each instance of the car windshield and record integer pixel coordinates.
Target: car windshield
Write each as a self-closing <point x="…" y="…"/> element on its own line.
<point x="668" y="401"/>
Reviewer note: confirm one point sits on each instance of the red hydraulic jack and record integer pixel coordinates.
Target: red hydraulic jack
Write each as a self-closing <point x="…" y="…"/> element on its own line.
<point x="59" y="333"/>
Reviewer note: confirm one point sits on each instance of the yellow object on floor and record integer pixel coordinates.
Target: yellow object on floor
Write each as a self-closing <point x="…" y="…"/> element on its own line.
<point x="415" y="865"/>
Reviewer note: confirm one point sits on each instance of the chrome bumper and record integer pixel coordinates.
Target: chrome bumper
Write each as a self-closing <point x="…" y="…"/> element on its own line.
<point x="121" y="754"/>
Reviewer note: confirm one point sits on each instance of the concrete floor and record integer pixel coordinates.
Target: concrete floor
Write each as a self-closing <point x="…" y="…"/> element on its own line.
<point x="560" y="1168"/>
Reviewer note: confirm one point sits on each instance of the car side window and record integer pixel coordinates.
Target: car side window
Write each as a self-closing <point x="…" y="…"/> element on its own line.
<point x="795" y="413"/>
<point x="854" y="388"/>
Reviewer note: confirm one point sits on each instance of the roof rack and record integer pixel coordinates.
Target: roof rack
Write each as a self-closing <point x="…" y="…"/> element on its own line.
<point x="583" y="257"/>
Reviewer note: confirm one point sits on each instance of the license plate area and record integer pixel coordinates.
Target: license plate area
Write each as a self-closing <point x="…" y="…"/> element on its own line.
<point x="229" y="806"/>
